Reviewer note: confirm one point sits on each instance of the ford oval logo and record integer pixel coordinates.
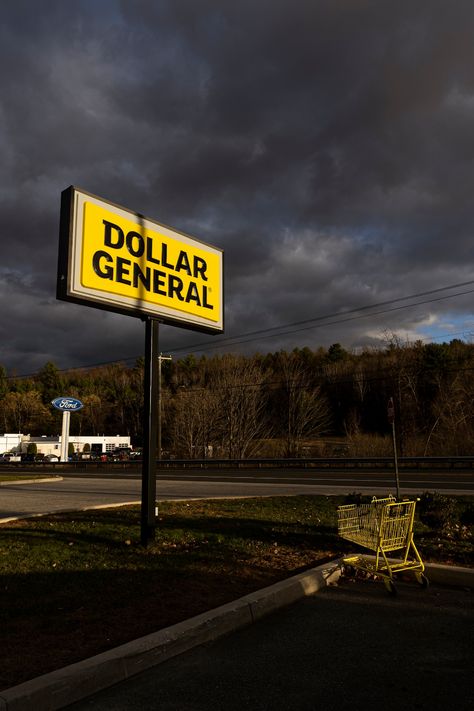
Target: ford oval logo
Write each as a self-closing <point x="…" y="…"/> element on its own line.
<point x="67" y="404"/>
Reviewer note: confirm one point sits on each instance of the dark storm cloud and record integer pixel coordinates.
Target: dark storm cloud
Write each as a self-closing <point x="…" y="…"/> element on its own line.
<point x="326" y="146"/>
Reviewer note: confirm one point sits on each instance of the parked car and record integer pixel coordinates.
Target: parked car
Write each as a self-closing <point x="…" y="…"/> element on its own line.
<point x="10" y="457"/>
<point x="120" y="453"/>
<point x="51" y="458"/>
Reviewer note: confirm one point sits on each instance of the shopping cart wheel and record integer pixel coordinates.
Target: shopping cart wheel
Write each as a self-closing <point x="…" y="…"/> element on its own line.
<point x="391" y="589"/>
<point x="422" y="580"/>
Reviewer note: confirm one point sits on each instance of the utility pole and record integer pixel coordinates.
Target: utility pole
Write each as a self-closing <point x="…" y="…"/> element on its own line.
<point x="161" y="358"/>
<point x="391" y="419"/>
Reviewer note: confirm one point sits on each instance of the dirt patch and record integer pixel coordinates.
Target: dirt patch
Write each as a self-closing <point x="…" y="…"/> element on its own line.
<point x="120" y="606"/>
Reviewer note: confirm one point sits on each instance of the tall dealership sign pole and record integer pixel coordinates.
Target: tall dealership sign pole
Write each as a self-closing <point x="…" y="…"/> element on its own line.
<point x="115" y="259"/>
<point x="66" y="405"/>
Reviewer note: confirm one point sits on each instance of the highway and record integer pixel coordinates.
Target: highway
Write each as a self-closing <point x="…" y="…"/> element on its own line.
<point x="79" y="491"/>
<point x="333" y="482"/>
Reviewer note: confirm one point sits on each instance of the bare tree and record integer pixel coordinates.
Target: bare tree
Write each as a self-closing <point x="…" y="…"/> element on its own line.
<point x="194" y="423"/>
<point x="452" y="432"/>
<point x="242" y="405"/>
<point x="361" y="385"/>
<point x="93" y="413"/>
<point x="305" y="410"/>
<point x="24" y="410"/>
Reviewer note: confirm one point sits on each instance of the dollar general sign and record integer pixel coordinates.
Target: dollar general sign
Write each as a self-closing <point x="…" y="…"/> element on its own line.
<point x="116" y="259"/>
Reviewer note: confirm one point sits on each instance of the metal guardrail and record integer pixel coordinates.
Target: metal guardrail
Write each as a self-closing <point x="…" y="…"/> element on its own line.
<point x="320" y="463"/>
<point x="330" y="463"/>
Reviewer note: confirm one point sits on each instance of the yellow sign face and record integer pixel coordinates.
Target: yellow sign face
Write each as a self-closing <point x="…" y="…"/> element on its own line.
<point x="129" y="263"/>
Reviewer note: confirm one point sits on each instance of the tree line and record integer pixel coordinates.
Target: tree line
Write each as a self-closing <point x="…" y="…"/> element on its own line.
<point x="287" y="404"/>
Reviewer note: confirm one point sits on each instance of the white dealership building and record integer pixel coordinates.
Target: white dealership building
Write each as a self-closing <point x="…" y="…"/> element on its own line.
<point x="100" y="444"/>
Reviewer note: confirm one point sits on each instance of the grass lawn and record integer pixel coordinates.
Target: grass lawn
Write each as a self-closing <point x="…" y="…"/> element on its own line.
<point x="74" y="585"/>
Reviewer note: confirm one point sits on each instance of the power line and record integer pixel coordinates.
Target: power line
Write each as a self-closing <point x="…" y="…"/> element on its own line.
<point x="316" y="322"/>
<point x="327" y="323"/>
<point x="344" y="312"/>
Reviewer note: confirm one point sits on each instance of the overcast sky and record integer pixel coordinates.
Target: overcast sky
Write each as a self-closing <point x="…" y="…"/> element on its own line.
<point x="326" y="146"/>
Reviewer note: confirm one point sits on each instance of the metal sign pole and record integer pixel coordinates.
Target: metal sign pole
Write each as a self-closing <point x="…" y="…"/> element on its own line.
<point x="108" y="236"/>
<point x="159" y="409"/>
<point x="150" y="429"/>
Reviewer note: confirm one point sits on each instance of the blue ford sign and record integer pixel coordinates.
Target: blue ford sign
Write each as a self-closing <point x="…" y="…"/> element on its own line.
<point x="67" y="404"/>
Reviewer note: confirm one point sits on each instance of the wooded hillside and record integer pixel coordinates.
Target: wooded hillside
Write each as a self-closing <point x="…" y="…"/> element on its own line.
<point x="303" y="403"/>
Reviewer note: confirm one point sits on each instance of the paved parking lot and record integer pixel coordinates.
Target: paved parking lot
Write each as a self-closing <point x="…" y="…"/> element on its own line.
<point x="351" y="646"/>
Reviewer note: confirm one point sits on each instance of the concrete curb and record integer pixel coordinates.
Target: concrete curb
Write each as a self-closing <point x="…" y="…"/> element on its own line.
<point x="77" y="681"/>
<point x="41" y="480"/>
<point x="450" y="575"/>
<point x="67" y="511"/>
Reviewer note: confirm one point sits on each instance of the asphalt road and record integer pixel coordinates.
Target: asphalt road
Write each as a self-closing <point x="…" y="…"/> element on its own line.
<point x="345" y="648"/>
<point x="79" y="492"/>
<point x="409" y="481"/>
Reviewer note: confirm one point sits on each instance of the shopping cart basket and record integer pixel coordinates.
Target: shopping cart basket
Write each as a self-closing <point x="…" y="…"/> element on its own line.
<point x="383" y="526"/>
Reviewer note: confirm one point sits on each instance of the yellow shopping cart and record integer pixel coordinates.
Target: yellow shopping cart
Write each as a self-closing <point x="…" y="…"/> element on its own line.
<point x="383" y="526"/>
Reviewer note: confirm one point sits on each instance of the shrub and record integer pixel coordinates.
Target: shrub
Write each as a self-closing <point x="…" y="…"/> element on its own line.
<point x="368" y="445"/>
<point x="354" y="497"/>
<point x="467" y="516"/>
<point x="437" y="511"/>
